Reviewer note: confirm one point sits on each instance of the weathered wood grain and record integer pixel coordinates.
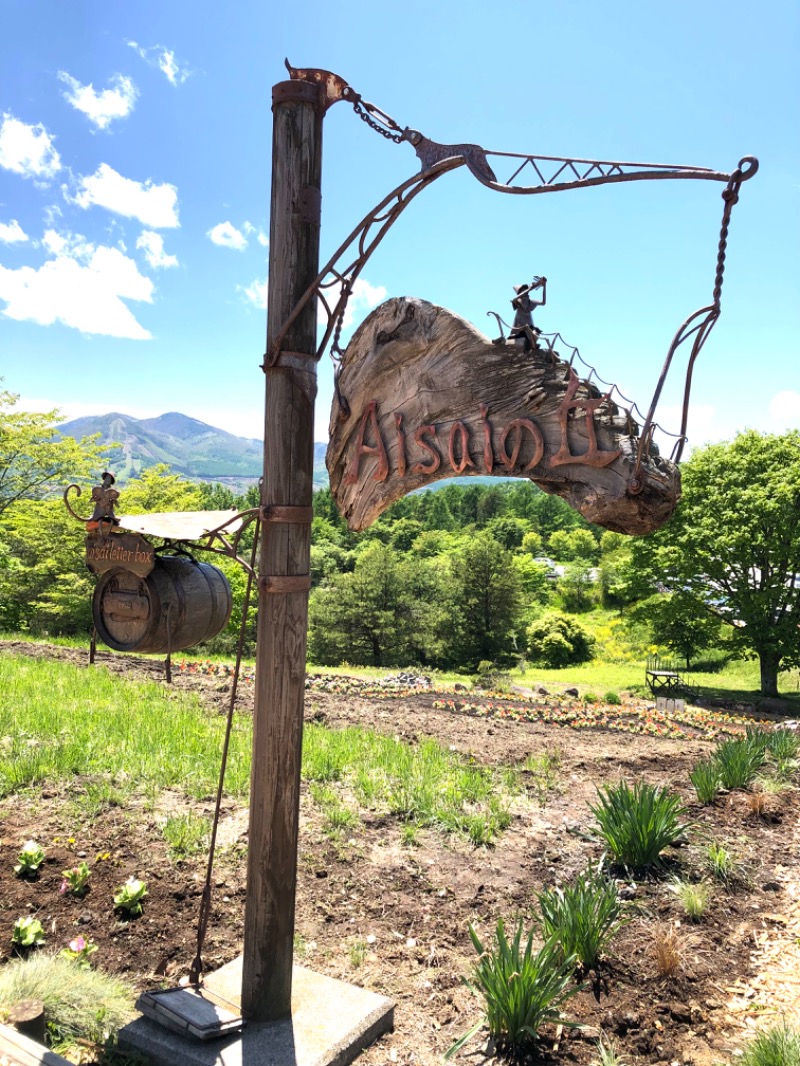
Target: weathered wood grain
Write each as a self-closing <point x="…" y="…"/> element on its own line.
<point x="425" y="396"/>
<point x="284" y="552"/>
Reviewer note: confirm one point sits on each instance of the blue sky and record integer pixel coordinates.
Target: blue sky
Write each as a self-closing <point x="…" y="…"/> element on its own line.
<point x="135" y="145"/>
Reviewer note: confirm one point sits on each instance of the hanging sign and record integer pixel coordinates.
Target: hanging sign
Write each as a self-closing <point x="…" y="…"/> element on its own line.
<point x="119" y="551"/>
<point x="422" y="395"/>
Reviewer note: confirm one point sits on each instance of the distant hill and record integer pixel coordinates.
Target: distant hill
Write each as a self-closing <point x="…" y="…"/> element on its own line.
<point x="190" y="447"/>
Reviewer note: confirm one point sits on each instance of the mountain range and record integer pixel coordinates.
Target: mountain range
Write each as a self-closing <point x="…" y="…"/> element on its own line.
<point x="188" y="446"/>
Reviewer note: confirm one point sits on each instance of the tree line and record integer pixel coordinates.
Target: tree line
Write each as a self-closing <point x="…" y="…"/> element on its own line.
<point x="461" y="576"/>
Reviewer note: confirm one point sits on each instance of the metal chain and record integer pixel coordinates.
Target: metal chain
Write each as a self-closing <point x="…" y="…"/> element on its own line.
<point x="365" y="116"/>
<point x="731" y="197"/>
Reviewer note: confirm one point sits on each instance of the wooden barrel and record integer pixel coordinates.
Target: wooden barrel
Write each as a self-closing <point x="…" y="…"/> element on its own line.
<point x="179" y="604"/>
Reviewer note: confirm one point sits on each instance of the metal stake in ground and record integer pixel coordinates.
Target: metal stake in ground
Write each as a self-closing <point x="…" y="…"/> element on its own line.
<point x="284" y="554"/>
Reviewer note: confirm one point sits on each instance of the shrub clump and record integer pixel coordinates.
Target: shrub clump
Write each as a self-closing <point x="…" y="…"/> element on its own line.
<point x="638" y="823"/>
<point x="555" y="640"/>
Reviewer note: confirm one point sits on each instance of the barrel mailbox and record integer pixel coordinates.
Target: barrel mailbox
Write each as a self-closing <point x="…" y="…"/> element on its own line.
<point x="180" y="603"/>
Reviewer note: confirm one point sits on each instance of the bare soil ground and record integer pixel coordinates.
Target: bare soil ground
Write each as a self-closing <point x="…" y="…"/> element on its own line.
<point x="394" y="918"/>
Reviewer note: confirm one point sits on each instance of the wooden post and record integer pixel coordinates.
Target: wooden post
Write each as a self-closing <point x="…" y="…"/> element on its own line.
<point x="284" y="555"/>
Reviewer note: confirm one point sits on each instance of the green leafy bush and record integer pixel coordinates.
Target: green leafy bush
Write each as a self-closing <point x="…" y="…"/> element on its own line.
<point x="638" y="823"/>
<point x="583" y="917"/>
<point x="522" y="991"/>
<point x="555" y="640"/>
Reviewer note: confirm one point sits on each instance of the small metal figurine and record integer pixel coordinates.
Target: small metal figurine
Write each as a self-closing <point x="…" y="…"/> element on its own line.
<point x="523" y="332"/>
<point x="104" y="498"/>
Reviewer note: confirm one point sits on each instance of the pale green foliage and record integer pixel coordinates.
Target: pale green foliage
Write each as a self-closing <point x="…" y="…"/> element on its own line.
<point x="30" y="858"/>
<point x="694" y="897"/>
<point x="128" y="897"/>
<point x="158" y="489"/>
<point x="80" y="1004"/>
<point x="44" y="583"/>
<point x="27" y="933"/>
<point x="34" y="459"/>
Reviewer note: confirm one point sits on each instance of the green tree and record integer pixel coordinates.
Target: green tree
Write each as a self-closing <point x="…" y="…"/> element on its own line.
<point x="733" y="545"/>
<point x="488" y="595"/>
<point x="44" y="584"/>
<point x="678" y="622"/>
<point x="34" y="458"/>
<point x="388" y="612"/>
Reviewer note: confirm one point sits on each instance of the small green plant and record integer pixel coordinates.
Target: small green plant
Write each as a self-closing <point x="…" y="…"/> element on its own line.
<point x="27" y="933"/>
<point x="705" y="778"/>
<point x="76" y="880"/>
<point x="694" y="897"/>
<point x="522" y="991"/>
<point x="357" y="952"/>
<point x="409" y="835"/>
<point x="79" y="951"/>
<point x="724" y="866"/>
<point x="589" y="697"/>
<point x="128" y="897"/>
<point x="29" y="859"/>
<point x="778" y="1046"/>
<point x="738" y="761"/>
<point x="543" y="770"/>
<point x="638" y="823"/>
<point x="612" y="698"/>
<point x="583" y="917"/>
<point x="607" y="1054"/>
<point x="186" y="834"/>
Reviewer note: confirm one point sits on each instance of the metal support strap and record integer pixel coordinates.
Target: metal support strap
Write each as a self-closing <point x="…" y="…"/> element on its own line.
<point x="284" y="583"/>
<point x="301" y="516"/>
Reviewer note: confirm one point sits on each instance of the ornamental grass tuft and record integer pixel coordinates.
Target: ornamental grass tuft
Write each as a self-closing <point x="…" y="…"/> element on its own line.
<point x="638" y="823"/>
<point x="522" y="991"/>
<point x="80" y="1004"/>
<point x="778" y="1046"/>
<point x="583" y="917"/>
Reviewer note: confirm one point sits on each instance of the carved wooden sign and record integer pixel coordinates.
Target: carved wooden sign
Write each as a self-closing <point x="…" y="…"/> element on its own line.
<point x="119" y="551"/>
<point x="422" y="395"/>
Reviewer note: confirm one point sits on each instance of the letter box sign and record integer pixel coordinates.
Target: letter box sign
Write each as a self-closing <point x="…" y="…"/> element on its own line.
<point x="119" y="551"/>
<point x="422" y="395"/>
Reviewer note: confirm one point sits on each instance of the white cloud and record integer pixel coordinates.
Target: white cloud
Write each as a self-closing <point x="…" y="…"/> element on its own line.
<point x="226" y="235"/>
<point x="256" y="293"/>
<point x="101" y="107"/>
<point x="83" y="287"/>
<point x="153" y="205"/>
<point x="11" y="232"/>
<point x="363" y="298"/>
<point x="261" y="237"/>
<point x="164" y="59"/>
<point x="27" y="150"/>
<point x="784" y="410"/>
<point x="152" y="244"/>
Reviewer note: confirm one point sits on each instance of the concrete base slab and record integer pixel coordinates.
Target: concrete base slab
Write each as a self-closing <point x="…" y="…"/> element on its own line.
<point x="331" y="1023"/>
